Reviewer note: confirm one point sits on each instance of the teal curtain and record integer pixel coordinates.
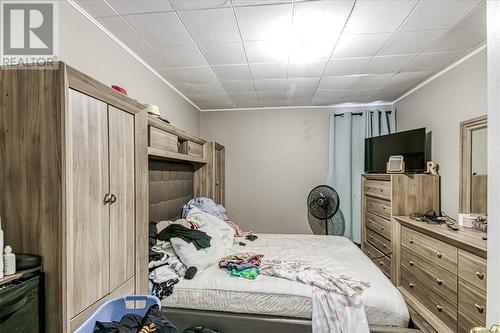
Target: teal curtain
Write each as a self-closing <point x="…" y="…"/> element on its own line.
<point x="348" y="131"/>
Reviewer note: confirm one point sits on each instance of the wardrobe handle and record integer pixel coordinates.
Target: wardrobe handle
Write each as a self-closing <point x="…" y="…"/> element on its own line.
<point x="112" y="199"/>
<point x="106" y="199"/>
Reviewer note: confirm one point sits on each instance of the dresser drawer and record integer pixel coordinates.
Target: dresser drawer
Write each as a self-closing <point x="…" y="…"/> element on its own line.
<point x="379" y="225"/>
<point x="378" y="188"/>
<point x="379" y="207"/>
<point x="472" y="300"/>
<point x="440" y="253"/>
<point x="384" y="263"/>
<point x="191" y="148"/>
<point x="438" y="278"/>
<point x="440" y="306"/>
<point x="381" y="243"/>
<point x="162" y="140"/>
<point x="466" y="322"/>
<point x="472" y="269"/>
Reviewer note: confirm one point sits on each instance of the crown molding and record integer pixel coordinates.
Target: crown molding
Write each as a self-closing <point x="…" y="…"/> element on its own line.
<point x="332" y="106"/>
<point x="126" y="48"/>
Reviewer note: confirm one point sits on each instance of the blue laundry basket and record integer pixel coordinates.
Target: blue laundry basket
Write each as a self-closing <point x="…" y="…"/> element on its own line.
<point x="116" y="308"/>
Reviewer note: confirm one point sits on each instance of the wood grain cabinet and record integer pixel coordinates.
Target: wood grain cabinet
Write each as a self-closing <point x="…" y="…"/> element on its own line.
<point x="383" y="197"/>
<point x="209" y="179"/>
<point x="443" y="274"/>
<point x="73" y="174"/>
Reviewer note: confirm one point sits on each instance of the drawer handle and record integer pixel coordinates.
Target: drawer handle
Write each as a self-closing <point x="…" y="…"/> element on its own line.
<point x="480" y="275"/>
<point x="410" y="240"/>
<point x="439" y="281"/>
<point x="439" y="307"/>
<point x="411" y="263"/>
<point x="383" y="245"/>
<point x="189" y="147"/>
<point x="368" y="252"/>
<point x="371" y="237"/>
<point x="381" y="228"/>
<point x="439" y="255"/>
<point x="412" y="285"/>
<point x="381" y="190"/>
<point x="381" y="263"/>
<point x="479" y="308"/>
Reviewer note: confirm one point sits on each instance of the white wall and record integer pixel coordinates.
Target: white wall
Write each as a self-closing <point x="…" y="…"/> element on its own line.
<point x="440" y="106"/>
<point x="89" y="50"/>
<point x="493" y="312"/>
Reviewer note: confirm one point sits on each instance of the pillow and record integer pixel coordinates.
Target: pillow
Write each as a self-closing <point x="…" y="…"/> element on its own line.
<point x="210" y="221"/>
<point x="202" y="258"/>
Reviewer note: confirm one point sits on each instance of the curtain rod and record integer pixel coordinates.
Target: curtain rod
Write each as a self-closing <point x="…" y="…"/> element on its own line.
<point x="351" y="113"/>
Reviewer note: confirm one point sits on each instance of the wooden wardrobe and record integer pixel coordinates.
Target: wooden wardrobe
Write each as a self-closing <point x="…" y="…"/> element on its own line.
<point x="73" y="174"/>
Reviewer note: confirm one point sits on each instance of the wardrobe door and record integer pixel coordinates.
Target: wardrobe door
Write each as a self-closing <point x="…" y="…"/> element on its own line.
<point x="88" y="215"/>
<point x="122" y="189"/>
<point x="219" y="176"/>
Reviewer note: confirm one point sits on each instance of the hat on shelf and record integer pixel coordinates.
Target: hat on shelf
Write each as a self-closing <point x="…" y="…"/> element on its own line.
<point x="153" y="109"/>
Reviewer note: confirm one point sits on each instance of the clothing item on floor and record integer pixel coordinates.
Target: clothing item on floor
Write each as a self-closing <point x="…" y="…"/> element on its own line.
<point x="200" y="239"/>
<point x="336" y="304"/>
<point x="153" y="321"/>
<point x="237" y="230"/>
<point x="206" y="205"/>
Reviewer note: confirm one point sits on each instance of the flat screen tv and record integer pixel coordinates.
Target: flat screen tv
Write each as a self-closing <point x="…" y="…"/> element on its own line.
<point x="410" y="144"/>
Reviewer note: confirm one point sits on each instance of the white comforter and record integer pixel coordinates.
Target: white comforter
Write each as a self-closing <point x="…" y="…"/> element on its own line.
<point x="214" y="289"/>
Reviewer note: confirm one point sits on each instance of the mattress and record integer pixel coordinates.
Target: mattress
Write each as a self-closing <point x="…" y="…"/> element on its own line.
<point x="214" y="289"/>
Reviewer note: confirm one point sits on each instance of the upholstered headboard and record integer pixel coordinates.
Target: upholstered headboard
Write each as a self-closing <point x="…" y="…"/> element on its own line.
<point x="170" y="188"/>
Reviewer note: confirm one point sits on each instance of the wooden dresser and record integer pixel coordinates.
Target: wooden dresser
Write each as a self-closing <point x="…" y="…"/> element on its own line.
<point x="443" y="274"/>
<point x="385" y="196"/>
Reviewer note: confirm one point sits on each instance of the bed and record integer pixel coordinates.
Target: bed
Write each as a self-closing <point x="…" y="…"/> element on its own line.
<point x="231" y="304"/>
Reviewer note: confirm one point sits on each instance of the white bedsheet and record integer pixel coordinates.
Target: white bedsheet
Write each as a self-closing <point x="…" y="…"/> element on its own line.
<point x="214" y="289"/>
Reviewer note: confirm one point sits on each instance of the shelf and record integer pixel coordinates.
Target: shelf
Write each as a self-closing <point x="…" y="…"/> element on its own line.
<point x="173" y="156"/>
<point x="17" y="275"/>
<point x="158" y="123"/>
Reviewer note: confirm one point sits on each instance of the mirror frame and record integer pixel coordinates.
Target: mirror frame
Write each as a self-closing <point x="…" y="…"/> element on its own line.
<point x="466" y="128"/>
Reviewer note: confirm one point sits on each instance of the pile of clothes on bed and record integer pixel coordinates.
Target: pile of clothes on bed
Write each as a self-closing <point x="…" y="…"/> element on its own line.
<point x="179" y="249"/>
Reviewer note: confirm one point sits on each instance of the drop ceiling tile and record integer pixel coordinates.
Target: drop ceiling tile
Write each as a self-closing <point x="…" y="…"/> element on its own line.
<point x="269" y="71"/>
<point x="378" y="16"/>
<point x="371" y="81"/>
<point x="182" y="55"/>
<point x="270" y="95"/>
<point x="300" y="95"/>
<point x="336" y="82"/>
<point x="361" y="95"/>
<point x="403" y="81"/>
<point x="438" y="14"/>
<point x="460" y="39"/>
<point x="271" y="22"/>
<point x="219" y="105"/>
<point x="224" y="53"/>
<point x="201" y="88"/>
<point x="320" y="21"/>
<point x="477" y="17"/>
<point x="197" y="74"/>
<point x="238" y="3"/>
<point x="171" y="76"/>
<point x="118" y="27"/>
<point x="302" y="84"/>
<point x="270" y="84"/>
<point x="388" y="64"/>
<point x="238" y="85"/>
<point x="266" y="103"/>
<point x="359" y="45"/>
<point x="346" y="66"/>
<point x="411" y="42"/>
<point x="324" y="102"/>
<point x="232" y="72"/>
<point x="432" y="61"/>
<point x="306" y="69"/>
<point x="247" y="96"/>
<point x="124" y="7"/>
<point x="247" y="104"/>
<point x="265" y="51"/>
<point x="212" y="25"/>
<point x="205" y="4"/>
<point x="209" y="98"/>
<point x="96" y="8"/>
<point x="329" y="94"/>
<point x="153" y="27"/>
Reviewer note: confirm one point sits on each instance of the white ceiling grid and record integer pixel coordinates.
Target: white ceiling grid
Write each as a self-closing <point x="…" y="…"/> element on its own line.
<point x="227" y="54"/>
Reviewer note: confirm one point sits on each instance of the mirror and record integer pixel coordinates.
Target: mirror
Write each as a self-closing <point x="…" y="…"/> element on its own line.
<point x="474" y="166"/>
